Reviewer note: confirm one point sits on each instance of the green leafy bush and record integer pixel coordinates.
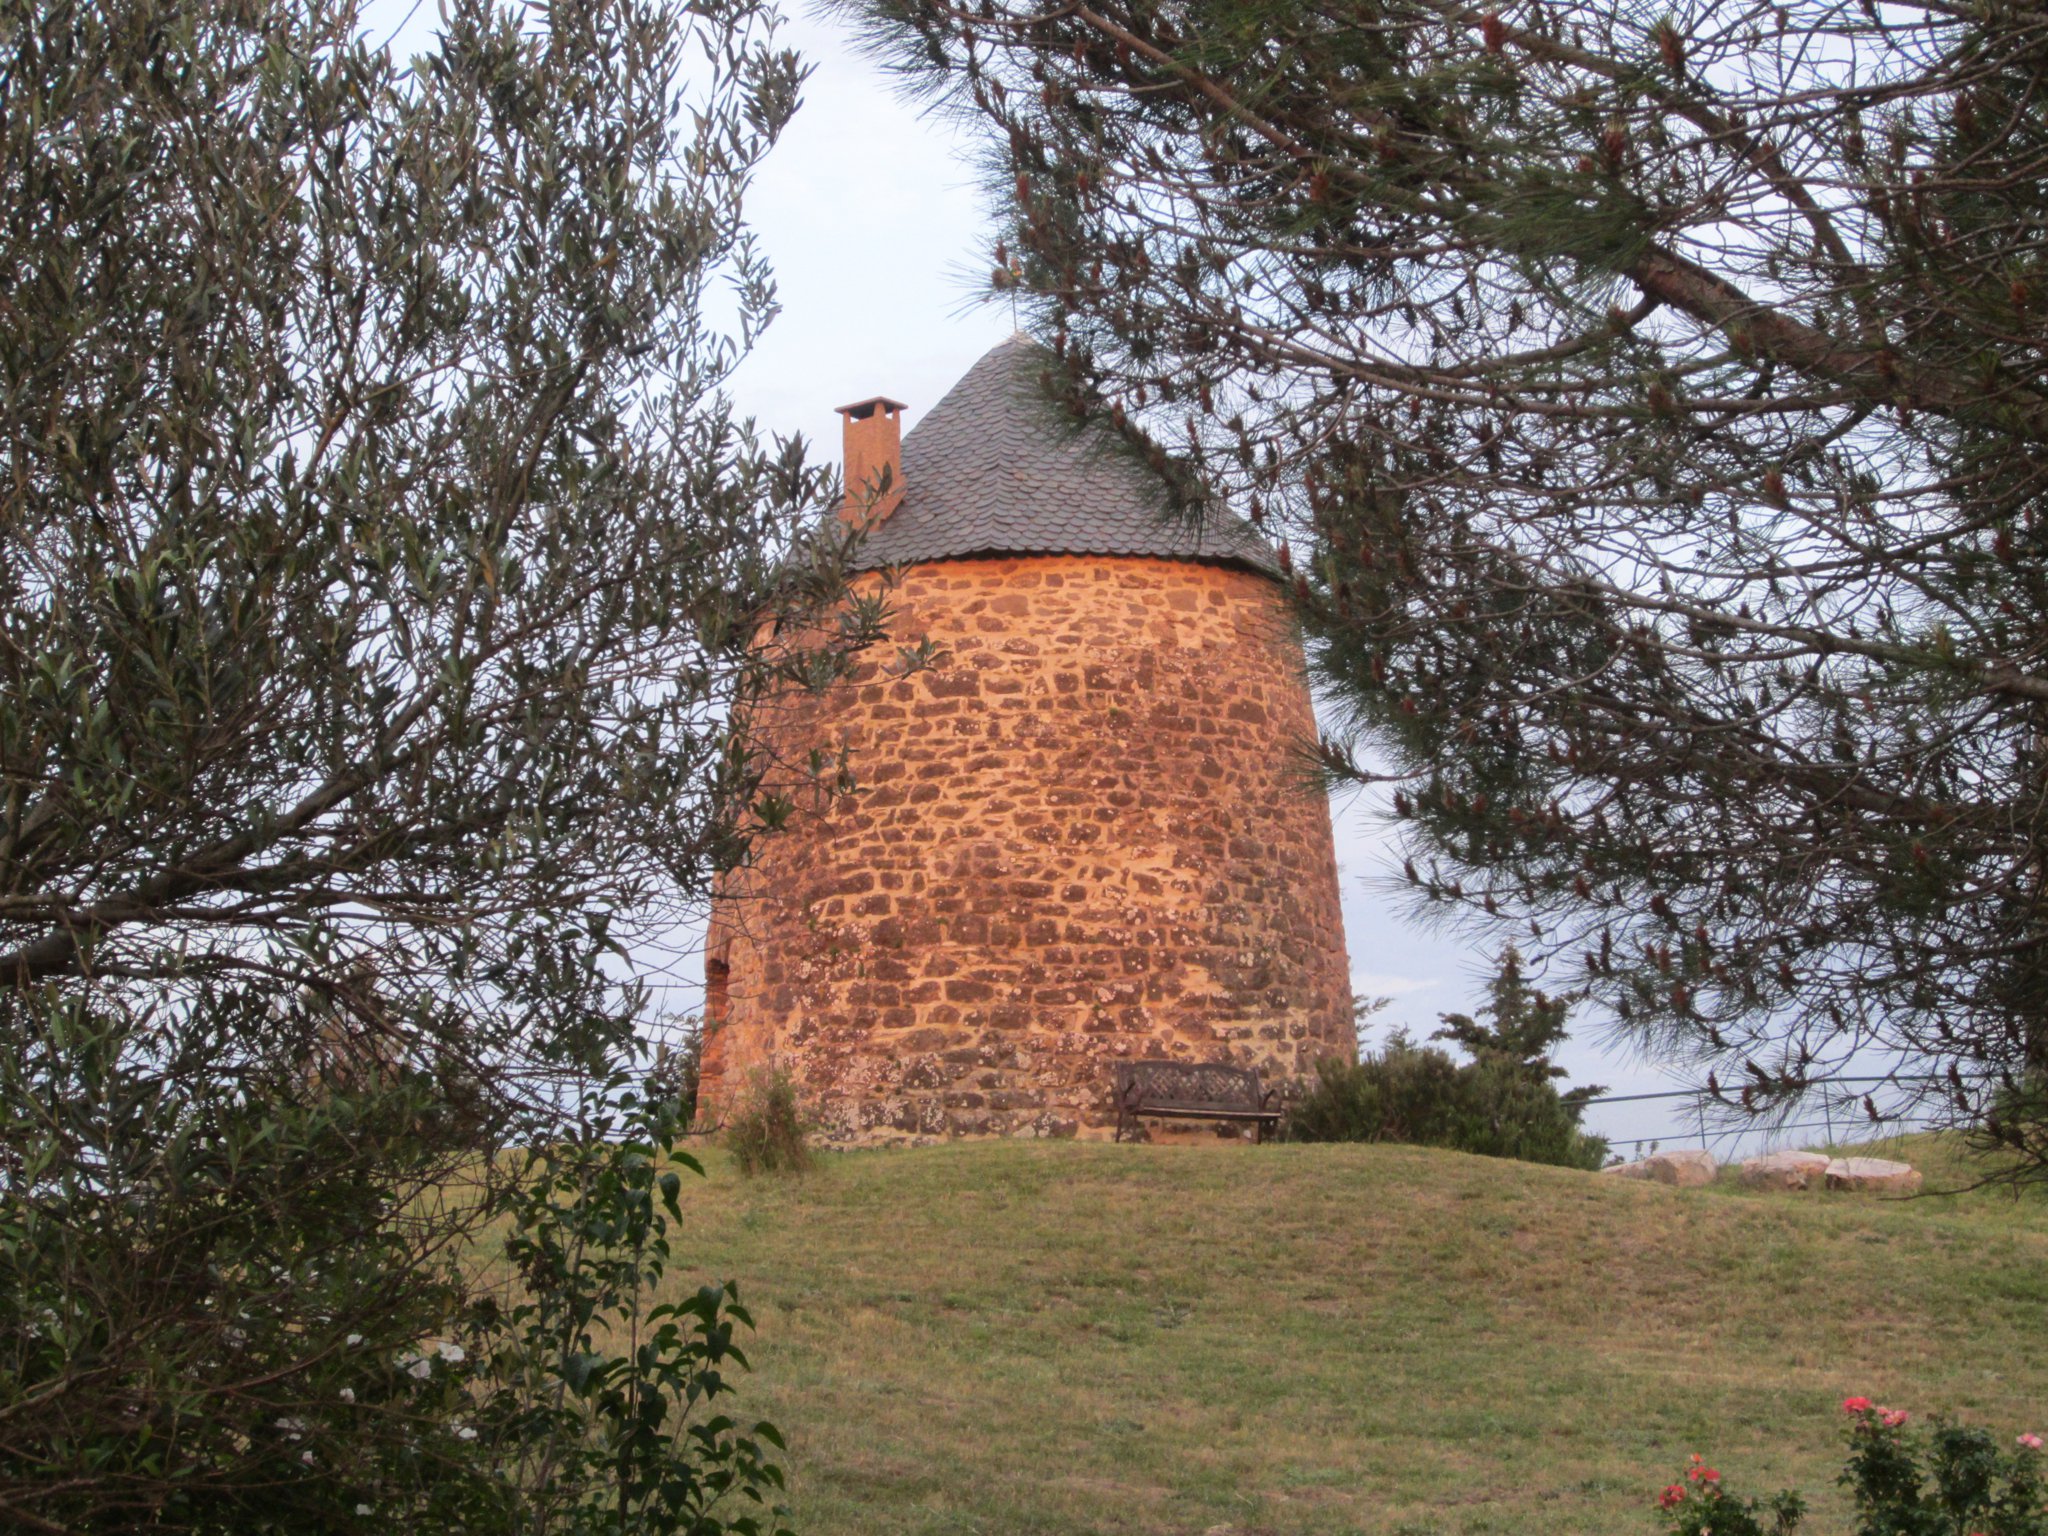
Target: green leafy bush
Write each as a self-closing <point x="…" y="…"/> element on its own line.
<point x="568" y="1403"/>
<point x="1502" y="1103"/>
<point x="1949" y="1480"/>
<point x="766" y="1131"/>
<point x="598" y="1407"/>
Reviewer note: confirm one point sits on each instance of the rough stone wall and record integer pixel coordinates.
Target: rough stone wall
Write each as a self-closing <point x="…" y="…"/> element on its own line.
<point x="1084" y="834"/>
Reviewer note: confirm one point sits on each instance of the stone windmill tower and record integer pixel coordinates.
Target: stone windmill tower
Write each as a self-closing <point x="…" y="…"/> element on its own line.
<point x="1082" y="835"/>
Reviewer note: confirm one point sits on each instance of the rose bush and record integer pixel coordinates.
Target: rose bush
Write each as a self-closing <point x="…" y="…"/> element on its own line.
<point x="1698" y="1506"/>
<point x="1939" y="1480"/>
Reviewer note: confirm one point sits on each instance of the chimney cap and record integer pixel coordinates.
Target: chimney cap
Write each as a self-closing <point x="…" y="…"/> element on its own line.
<point x="861" y="410"/>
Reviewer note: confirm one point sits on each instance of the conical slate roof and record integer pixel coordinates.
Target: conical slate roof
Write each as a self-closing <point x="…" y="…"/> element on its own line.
<point x="989" y="471"/>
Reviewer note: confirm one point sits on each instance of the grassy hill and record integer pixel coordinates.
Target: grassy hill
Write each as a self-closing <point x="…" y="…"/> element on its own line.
<point x="1054" y="1338"/>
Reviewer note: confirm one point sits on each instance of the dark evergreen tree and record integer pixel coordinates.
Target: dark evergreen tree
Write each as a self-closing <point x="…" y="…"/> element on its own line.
<point x="1518" y="1028"/>
<point x="381" y="559"/>
<point x="1651" y="402"/>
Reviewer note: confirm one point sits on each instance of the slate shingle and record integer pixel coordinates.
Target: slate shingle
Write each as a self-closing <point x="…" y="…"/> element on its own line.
<point x="990" y="471"/>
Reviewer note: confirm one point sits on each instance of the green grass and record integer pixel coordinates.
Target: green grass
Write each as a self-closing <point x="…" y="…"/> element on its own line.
<point x="1058" y="1338"/>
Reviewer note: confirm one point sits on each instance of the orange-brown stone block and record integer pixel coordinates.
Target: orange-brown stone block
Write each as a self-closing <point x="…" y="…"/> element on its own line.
<point x="1087" y="832"/>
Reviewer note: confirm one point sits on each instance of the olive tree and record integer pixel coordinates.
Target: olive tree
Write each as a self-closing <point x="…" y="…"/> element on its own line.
<point x="381" y="553"/>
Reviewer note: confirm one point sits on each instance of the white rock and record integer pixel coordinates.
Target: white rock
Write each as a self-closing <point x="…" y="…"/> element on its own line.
<point x="1688" y="1167"/>
<point x="1873" y="1175"/>
<point x="1784" y="1170"/>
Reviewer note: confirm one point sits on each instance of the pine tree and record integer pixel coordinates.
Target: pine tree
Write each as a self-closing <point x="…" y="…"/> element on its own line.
<point x="1651" y="404"/>
<point x="1522" y="1027"/>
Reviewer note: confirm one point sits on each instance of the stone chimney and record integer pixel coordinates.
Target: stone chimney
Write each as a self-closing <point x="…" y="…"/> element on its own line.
<point x="874" y="460"/>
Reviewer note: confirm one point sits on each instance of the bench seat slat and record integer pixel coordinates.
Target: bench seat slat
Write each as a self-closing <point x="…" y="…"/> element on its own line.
<point x="1204" y="1111"/>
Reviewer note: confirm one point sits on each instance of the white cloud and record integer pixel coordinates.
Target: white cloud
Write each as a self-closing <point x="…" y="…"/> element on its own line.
<point x="1384" y="984"/>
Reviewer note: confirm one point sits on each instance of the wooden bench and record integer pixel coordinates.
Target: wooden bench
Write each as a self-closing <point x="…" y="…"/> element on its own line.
<point x="1193" y="1090"/>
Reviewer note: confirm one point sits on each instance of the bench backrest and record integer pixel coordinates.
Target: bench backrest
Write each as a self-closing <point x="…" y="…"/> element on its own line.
<point x="1188" y="1085"/>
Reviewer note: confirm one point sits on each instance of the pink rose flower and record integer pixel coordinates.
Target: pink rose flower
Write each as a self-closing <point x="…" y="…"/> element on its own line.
<point x="1855" y="1405"/>
<point x="1894" y="1417"/>
<point x="1671" y="1497"/>
<point x="2031" y="1442"/>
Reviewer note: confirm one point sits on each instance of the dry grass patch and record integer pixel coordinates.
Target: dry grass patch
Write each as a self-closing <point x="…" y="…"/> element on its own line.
<point x="1020" y="1338"/>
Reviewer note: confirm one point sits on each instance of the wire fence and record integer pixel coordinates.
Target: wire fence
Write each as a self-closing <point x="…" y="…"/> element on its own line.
<point x="1711" y="1121"/>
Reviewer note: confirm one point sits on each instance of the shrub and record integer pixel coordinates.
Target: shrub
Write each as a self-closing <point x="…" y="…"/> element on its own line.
<point x="1417" y="1094"/>
<point x="574" y="1402"/>
<point x="1501" y="1103"/>
<point x="766" y="1132"/>
<point x="1404" y="1092"/>
<point x="1948" y="1480"/>
<point x="597" y="1407"/>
